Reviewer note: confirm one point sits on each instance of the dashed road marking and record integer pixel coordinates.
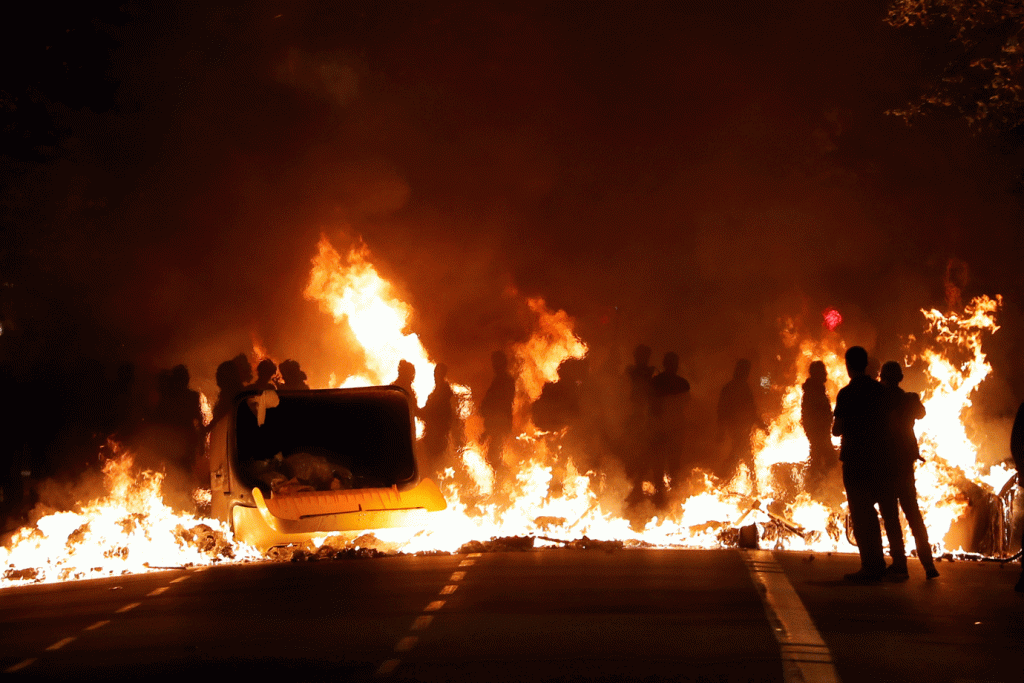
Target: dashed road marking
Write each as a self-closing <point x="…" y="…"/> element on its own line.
<point x="406" y="644"/>
<point x="423" y="621"/>
<point x="805" y="657"/>
<point x="181" y="578"/>
<point x="387" y="666"/>
<point x="20" y="665"/>
<point x="475" y="554"/>
<point x="92" y="627"/>
<point x="61" y="643"/>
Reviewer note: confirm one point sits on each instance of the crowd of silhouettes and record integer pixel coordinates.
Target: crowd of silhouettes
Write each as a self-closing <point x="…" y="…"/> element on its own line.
<point x="51" y="432"/>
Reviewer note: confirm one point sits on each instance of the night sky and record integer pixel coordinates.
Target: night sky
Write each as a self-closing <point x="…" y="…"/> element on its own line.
<point x="678" y="175"/>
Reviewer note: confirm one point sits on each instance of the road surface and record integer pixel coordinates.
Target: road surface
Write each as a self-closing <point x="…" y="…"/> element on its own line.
<point x="538" y="615"/>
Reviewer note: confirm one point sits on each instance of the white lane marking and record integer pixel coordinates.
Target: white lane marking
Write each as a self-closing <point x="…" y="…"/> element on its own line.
<point x="156" y="592"/>
<point x="805" y="657"/>
<point x="458" y="576"/>
<point x="387" y="666"/>
<point x="20" y="665"/>
<point x="61" y="643"/>
<point x="434" y="606"/>
<point x="474" y="555"/>
<point x="181" y="578"/>
<point x="448" y="590"/>
<point x="129" y="606"/>
<point x="467" y="563"/>
<point x="406" y="644"/>
<point x="98" y="624"/>
<point x="421" y="622"/>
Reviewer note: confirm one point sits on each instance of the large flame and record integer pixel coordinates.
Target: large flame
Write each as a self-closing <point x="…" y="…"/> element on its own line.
<point x="546" y="495"/>
<point x="352" y="291"/>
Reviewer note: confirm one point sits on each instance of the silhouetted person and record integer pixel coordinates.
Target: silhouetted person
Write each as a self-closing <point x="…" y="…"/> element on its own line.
<point x="496" y="409"/>
<point x="816" y="420"/>
<point x="636" y="439"/>
<point x="666" y="421"/>
<point x="907" y="409"/>
<point x="558" y="405"/>
<point x="230" y="384"/>
<point x="178" y="408"/>
<point x="737" y="417"/>
<point x="438" y="415"/>
<point x="1017" y="451"/>
<point x="405" y="378"/>
<point x="861" y="419"/>
<point x="265" y="371"/>
<point x="127" y="405"/>
<point x="244" y="369"/>
<point x="640" y="375"/>
<point x="292" y="376"/>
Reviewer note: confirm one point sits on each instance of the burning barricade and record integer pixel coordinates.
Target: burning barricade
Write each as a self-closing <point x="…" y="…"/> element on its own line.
<point x="311" y="498"/>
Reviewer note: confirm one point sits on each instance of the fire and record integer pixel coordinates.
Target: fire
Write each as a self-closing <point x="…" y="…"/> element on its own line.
<point x="128" y="531"/>
<point x="351" y="290"/>
<point x="552" y="342"/>
<point x="956" y="366"/>
<point x="547" y="495"/>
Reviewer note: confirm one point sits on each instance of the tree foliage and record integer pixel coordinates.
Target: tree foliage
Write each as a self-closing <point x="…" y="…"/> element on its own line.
<point x="981" y="79"/>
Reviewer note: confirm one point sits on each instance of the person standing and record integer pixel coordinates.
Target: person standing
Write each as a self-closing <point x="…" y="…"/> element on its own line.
<point x="669" y="393"/>
<point x="1017" y="451"/>
<point x="816" y="420"/>
<point x="861" y="420"/>
<point x="737" y="417"/>
<point x="438" y="417"/>
<point x="406" y="377"/>
<point x="907" y="409"/>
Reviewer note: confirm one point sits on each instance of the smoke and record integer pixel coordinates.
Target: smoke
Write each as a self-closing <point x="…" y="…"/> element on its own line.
<point x="682" y="177"/>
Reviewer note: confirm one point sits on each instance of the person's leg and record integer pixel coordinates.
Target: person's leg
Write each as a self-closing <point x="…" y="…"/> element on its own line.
<point x="866" y="529"/>
<point x="907" y="493"/>
<point x="889" y="506"/>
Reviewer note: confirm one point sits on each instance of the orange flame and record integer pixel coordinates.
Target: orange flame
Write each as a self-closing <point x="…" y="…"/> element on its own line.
<point x="128" y="531"/>
<point x="350" y="289"/>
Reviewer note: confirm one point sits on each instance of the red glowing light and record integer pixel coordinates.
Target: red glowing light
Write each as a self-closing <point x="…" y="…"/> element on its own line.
<point x="833" y="318"/>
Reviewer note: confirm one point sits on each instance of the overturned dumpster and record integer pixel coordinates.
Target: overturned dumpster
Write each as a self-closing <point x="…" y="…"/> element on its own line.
<point x="290" y="466"/>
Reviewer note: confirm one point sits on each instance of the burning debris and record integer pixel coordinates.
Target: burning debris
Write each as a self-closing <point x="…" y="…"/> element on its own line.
<point x="130" y="530"/>
<point x="554" y="487"/>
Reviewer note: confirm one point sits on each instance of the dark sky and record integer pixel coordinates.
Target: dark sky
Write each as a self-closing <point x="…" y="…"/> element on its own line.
<point x="675" y="175"/>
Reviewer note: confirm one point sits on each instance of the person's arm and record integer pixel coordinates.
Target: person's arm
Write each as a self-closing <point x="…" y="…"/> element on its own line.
<point x="915" y="407"/>
<point x="837" y="416"/>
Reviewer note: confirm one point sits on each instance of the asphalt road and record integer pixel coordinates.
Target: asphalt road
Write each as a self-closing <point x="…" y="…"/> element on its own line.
<point x="540" y="615"/>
